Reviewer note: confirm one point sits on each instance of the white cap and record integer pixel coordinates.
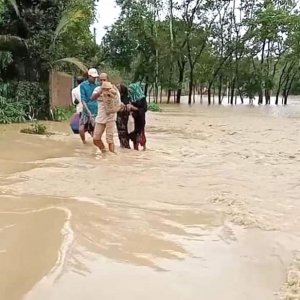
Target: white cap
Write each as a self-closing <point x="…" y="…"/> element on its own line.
<point x="93" y="72"/>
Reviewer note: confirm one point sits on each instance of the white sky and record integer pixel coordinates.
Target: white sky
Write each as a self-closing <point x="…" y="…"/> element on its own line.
<point x="107" y="13"/>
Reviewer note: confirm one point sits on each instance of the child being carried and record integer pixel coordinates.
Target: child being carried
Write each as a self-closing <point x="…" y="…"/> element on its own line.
<point x="109" y="104"/>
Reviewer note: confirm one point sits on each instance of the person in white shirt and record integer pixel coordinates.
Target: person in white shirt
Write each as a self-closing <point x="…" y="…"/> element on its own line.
<point x="76" y="97"/>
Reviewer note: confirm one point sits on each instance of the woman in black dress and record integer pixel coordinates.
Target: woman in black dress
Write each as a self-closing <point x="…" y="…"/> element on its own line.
<point x="122" y="118"/>
<point x="138" y="107"/>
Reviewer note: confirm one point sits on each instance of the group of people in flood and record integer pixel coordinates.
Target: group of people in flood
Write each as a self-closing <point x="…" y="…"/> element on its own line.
<point x="100" y="105"/>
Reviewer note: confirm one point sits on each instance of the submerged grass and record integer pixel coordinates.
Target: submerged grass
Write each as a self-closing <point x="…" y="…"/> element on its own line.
<point x="36" y="128"/>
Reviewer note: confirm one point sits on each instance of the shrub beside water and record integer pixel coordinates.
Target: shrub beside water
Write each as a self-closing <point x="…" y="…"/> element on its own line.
<point x="60" y="114"/>
<point x="11" y="112"/>
<point x="21" y="101"/>
<point x="154" y="107"/>
<point x="34" y="98"/>
<point x="36" y="128"/>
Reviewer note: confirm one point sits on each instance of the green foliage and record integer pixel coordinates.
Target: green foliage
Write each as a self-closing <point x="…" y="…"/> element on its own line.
<point x="2" y="10"/>
<point x="36" y="37"/>
<point x="15" y="6"/>
<point x="22" y="101"/>
<point x="130" y="43"/>
<point x="33" y="98"/>
<point x="5" y="59"/>
<point x="247" y="47"/>
<point x="10" y="111"/>
<point x="154" y="107"/>
<point x="49" y="30"/>
<point x="73" y="61"/>
<point x="62" y="114"/>
<point x="295" y="89"/>
<point x="74" y="29"/>
<point x="36" y="128"/>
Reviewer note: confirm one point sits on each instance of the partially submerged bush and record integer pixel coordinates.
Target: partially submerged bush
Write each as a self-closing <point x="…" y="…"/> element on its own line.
<point x="154" y="107"/>
<point x="36" y="128"/>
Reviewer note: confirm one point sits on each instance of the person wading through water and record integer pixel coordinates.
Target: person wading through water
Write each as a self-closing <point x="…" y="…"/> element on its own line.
<point x="138" y="106"/>
<point x="122" y="118"/>
<point x="90" y="107"/>
<point x="104" y="120"/>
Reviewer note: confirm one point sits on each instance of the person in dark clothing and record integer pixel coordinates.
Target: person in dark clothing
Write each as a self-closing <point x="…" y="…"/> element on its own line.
<point x="122" y="118"/>
<point x="138" y="105"/>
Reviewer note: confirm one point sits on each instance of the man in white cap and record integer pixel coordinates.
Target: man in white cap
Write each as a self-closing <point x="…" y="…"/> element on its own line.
<point x="90" y="106"/>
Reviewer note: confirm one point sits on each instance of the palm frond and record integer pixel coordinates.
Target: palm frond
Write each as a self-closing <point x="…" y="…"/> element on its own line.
<point x="75" y="61"/>
<point x="15" y="6"/>
<point x="67" y="19"/>
<point x="12" y="43"/>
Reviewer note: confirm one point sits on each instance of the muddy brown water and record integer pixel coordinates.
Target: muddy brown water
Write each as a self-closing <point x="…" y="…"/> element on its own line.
<point x="211" y="211"/>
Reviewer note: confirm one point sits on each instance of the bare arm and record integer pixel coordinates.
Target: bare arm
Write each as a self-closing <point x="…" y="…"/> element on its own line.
<point x="133" y="108"/>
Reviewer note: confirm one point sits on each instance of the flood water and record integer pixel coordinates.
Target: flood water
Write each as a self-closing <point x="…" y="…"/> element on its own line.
<point x="211" y="211"/>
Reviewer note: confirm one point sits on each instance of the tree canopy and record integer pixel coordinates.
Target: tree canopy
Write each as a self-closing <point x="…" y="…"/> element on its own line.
<point x="233" y="49"/>
<point x="240" y="48"/>
<point x="37" y="37"/>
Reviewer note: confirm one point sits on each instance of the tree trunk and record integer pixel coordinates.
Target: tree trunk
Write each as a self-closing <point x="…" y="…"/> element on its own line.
<point x="288" y="89"/>
<point x="215" y="74"/>
<point x="284" y="93"/>
<point x="277" y="96"/>
<point x="149" y="96"/>
<point x="181" y="67"/>
<point x="268" y="97"/>
<point x="232" y="91"/>
<point x="169" y="96"/>
<point x="227" y="92"/>
<point x="241" y="96"/>
<point x="146" y="89"/>
<point x="261" y="93"/>
<point x="178" y="96"/>
<point x="209" y="95"/>
<point x="260" y="97"/>
<point x="201" y="94"/>
<point x="220" y="90"/>
<point x="191" y="86"/>
<point x="280" y="83"/>
<point x="194" y="94"/>
<point x="172" y="48"/>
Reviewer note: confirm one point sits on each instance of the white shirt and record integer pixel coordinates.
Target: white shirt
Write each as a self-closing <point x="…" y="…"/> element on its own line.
<point x="76" y="96"/>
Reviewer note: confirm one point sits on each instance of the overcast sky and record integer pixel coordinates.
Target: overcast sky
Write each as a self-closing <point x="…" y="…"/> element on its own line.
<point x="107" y="13"/>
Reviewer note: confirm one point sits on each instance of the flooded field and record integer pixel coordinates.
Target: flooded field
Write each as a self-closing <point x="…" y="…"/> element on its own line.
<point x="211" y="211"/>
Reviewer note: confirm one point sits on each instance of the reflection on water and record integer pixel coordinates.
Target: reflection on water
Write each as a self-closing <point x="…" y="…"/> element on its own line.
<point x="211" y="209"/>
